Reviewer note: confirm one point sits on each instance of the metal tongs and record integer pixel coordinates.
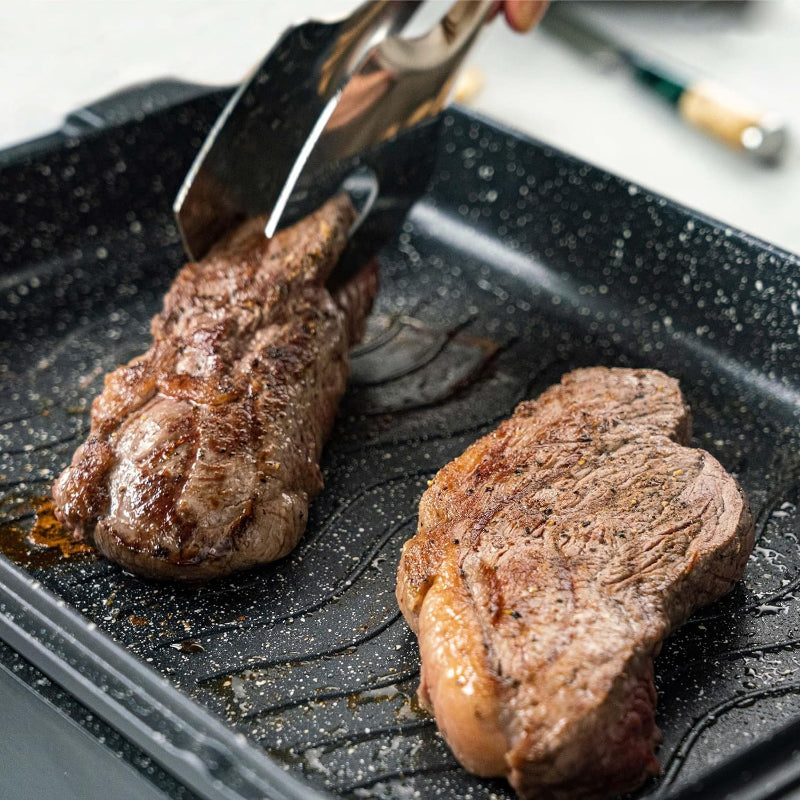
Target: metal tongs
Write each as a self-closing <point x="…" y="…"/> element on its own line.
<point x="325" y="92"/>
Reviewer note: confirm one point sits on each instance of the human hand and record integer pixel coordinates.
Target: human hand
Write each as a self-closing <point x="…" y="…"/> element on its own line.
<point x="522" y="15"/>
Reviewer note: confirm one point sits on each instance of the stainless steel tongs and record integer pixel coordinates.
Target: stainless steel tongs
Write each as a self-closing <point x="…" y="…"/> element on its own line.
<point x="323" y="93"/>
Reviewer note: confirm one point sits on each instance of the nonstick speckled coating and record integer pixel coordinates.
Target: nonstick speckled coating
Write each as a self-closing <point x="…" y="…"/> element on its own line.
<point x="516" y="264"/>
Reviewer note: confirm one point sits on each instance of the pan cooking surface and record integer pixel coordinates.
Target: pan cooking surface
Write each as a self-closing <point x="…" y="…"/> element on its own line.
<point x="517" y="265"/>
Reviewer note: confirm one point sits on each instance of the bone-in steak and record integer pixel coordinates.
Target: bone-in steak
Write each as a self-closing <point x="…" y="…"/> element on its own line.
<point x="551" y="560"/>
<point x="203" y="452"/>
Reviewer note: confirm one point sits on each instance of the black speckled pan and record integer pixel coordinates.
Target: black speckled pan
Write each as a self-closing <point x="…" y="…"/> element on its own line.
<point x="509" y="265"/>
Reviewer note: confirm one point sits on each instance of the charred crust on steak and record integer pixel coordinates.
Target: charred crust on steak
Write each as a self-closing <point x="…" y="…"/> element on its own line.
<point x="203" y="452"/>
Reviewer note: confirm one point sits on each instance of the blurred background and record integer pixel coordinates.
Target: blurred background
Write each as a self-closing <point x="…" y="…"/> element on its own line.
<point x="58" y="56"/>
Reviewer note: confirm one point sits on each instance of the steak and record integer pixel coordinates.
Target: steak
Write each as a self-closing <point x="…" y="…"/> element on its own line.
<point x="551" y="560"/>
<point x="203" y="452"/>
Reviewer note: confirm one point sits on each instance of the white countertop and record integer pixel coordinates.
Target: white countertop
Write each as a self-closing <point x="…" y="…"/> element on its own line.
<point x="57" y="56"/>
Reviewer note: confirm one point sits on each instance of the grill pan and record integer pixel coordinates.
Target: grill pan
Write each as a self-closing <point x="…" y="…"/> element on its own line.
<point x="504" y="264"/>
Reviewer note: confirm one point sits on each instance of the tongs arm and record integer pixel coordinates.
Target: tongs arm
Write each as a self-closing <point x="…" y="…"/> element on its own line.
<point x="325" y="91"/>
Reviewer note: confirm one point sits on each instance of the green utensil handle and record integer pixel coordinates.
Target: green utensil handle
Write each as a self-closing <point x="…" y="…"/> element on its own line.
<point x="663" y="82"/>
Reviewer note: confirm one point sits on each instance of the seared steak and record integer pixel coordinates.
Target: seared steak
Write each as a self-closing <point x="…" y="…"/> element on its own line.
<point x="203" y="452"/>
<point x="551" y="560"/>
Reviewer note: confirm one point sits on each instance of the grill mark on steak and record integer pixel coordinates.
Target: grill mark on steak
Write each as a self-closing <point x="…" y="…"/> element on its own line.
<point x="203" y="452"/>
<point x="550" y="561"/>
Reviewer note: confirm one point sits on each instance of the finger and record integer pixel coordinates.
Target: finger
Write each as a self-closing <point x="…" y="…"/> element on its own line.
<point x="522" y="15"/>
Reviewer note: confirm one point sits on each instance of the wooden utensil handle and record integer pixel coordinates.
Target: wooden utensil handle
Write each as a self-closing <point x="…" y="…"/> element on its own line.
<point x="719" y="112"/>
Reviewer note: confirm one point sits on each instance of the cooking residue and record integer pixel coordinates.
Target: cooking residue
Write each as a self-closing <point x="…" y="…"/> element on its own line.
<point x="188" y="646"/>
<point x="43" y="546"/>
